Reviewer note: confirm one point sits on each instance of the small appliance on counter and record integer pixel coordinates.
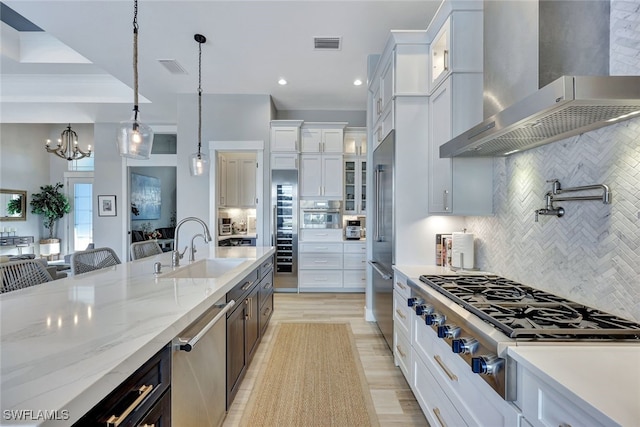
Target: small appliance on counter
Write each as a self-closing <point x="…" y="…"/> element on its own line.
<point x="224" y="226"/>
<point x="353" y="230"/>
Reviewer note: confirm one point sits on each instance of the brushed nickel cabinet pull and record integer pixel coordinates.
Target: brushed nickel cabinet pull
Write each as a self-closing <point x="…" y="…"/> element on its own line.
<point x="400" y="314"/>
<point x="115" y="420"/>
<point x="401" y="286"/>
<point x="445" y="199"/>
<point x="436" y="412"/>
<point x="451" y="375"/>
<point x="246" y="285"/>
<point x="446" y="59"/>
<point x="400" y="352"/>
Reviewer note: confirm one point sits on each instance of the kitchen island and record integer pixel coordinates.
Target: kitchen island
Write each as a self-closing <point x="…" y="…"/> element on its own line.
<point x="68" y="343"/>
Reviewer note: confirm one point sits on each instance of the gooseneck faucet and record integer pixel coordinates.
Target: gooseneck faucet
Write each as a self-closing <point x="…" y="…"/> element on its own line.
<point x="176" y="256"/>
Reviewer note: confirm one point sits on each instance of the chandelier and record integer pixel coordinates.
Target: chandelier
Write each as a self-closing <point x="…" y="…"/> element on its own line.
<point x="135" y="138"/>
<point x="67" y="147"/>
<point x="199" y="162"/>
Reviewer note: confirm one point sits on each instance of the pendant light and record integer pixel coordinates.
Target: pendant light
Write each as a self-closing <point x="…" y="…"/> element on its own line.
<point x="67" y="147"/>
<point x="199" y="162"/>
<point x="135" y="138"/>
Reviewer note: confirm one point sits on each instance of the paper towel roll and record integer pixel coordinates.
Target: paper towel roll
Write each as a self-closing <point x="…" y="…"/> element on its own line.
<point x="462" y="250"/>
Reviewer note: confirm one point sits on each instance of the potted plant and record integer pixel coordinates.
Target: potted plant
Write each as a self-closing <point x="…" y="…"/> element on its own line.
<point x="53" y="204"/>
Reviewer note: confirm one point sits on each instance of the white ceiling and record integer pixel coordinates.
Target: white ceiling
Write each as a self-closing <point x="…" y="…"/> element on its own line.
<point x="250" y="45"/>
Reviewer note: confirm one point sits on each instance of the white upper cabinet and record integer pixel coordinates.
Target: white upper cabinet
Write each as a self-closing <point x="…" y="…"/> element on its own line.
<point x="237" y="177"/>
<point x="321" y="176"/>
<point x="458" y="186"/>
<point x="457" y="45"/>
<point x="322" y="137"/>
<point x="401" y="71"/>
<point x="285" y="136"/>
<point x="355" y="141"/>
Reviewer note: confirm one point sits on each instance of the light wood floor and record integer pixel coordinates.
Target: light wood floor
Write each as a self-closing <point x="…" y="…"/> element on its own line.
<point x="394" y="402"/>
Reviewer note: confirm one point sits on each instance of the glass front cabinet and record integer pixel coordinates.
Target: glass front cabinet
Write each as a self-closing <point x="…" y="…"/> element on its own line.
<point x="355" y="185"/>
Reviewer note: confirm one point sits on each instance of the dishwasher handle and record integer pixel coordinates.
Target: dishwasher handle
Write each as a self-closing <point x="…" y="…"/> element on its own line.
<point x="186" y="344"/>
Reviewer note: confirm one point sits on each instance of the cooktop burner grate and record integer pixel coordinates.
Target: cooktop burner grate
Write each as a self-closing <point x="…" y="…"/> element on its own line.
<point x="520" y="311"/>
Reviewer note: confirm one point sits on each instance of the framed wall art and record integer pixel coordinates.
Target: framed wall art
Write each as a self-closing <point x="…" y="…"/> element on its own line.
<point x="107" y="206"/>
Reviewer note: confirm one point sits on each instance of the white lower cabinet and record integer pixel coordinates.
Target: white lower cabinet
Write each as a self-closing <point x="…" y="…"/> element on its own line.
<point x="437" y="408"/>
<point x="544" y="405"/>
<point x="474" y="401"/>
<point x="320" y="265"/>
<point x="319" y="280"/>
<point x="354" y="260"/>
<point x="402" y="353"/>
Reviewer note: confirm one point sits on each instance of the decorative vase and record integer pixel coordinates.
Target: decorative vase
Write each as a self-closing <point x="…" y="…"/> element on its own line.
<point x="49" y="248"/>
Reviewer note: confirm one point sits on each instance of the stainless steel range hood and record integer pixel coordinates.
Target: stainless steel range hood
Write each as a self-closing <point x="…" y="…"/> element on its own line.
<point x="566" y="107"/>
<point x="546" y="77"/>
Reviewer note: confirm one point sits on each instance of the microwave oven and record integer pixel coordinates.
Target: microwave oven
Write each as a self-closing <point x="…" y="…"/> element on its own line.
<point x="321" y="214"/>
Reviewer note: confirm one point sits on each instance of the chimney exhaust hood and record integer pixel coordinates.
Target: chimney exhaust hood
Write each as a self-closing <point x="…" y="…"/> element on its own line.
<point x="565" y="107"/>
<point x="546" y="77"/>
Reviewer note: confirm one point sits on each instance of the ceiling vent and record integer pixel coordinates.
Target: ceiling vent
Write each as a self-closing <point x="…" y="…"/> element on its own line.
<point x="327" y="43"/>
<point x="172" y="66"/>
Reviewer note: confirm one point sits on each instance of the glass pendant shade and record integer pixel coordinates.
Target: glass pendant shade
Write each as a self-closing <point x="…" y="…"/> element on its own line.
<point x="198" y="164"/>
<point x="135" y="139"/>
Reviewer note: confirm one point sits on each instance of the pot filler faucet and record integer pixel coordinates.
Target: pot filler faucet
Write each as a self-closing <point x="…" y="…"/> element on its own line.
<point x="176" y="256"/>
<point x="556" y="190"/>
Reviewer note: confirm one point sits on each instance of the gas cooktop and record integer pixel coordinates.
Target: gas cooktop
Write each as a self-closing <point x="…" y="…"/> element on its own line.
<point x="520" y="311"/>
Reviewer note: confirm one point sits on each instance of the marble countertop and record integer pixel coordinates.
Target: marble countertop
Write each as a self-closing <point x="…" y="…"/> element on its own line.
<point x="66" y="344"/>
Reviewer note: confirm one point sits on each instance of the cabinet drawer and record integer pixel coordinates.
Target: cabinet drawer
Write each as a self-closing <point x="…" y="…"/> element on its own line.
<point x="241" y="289"/>
<point x="266" y="310"/>
<point x="434" y="403"/>
<point x="355" y="248"/>
<point x="265" y="289"/>
<point x="321" y="247"/>
<point x="355" y="261"/>
<point x="402" y="353"/>
<point x="266" y="267"/>
<point x="401" y="286"/>
<point x="320" y="261"/>
<point x="153" y="379"/>
<point x="354" y="278"/>
<point x="402" y="314"/>
<point x="320" y="278"/>
<point x="321" y="235"/>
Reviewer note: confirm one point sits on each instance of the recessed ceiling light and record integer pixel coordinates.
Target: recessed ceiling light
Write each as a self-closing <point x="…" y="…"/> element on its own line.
<point x="357" y="82"/>
<point x="282" y="82"/>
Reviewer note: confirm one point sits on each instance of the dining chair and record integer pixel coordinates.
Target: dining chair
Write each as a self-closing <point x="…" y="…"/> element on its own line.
<point x="22" y="274"/>
<point x="145" y="249"/>
<point x="93" y="259"/>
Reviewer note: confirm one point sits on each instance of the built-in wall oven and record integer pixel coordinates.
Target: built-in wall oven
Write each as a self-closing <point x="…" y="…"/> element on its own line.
<point x="321" y="213"/>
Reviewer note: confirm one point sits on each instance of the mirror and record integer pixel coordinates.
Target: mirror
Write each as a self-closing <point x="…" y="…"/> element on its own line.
<point x="13" y="205"/>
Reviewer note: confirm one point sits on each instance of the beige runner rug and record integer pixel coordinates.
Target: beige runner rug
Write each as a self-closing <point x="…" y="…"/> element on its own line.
<point x="313" y="377"/>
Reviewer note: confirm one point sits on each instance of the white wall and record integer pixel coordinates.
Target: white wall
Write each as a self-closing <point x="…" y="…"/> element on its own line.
<point x="224" y="118"/>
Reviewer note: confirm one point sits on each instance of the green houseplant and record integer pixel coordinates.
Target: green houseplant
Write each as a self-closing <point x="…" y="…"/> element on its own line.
<point x="51" y="203"/>
<point x="14" y="207"/>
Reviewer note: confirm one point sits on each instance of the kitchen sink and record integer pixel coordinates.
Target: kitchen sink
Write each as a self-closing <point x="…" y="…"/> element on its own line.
<point x="206" y="268"/>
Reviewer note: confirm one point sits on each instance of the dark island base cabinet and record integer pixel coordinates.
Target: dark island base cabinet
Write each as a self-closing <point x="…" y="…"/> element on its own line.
<point x="143" y="398"/>
<point x="247" y="323"/>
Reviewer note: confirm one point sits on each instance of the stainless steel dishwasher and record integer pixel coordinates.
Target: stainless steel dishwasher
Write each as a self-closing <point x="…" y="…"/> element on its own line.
<point x="198" y="374"/>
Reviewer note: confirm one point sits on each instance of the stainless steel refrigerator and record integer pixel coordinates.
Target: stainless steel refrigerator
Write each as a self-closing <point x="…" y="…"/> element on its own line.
<point x="284" y="233"/>
<point x="383" y="235"/>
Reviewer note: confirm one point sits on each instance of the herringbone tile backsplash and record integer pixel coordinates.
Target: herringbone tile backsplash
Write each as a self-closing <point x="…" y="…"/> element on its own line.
<point x="592" y="254"/>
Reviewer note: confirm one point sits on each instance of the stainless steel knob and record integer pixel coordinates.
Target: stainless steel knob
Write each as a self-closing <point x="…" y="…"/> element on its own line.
<point x="422" y="309"/>
<point x="449" y="331"/>
<point x="465" y="345"/>
<point x="489" y="365"/>
<point x="436" y="319"/>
